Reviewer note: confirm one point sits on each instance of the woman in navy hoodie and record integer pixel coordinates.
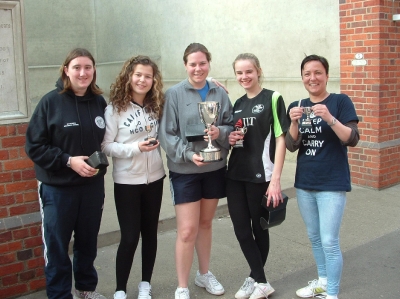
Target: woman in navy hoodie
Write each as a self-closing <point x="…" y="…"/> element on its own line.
<point x="66" y="127"/>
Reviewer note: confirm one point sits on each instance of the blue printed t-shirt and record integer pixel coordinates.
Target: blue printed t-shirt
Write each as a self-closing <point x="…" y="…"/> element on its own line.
<point x="203" y="91"/>
<point x="322" y="163"/>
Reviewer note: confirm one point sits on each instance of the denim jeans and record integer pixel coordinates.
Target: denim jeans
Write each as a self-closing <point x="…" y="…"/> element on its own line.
<point x="322" y="212"/>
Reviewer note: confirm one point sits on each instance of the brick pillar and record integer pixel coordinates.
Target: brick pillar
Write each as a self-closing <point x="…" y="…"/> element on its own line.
<point x="21" y="255"/>
<point x="372" y="80"/>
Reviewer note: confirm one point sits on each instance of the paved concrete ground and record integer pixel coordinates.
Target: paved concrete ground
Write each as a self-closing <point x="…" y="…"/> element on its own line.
<point x="370" y="239"/>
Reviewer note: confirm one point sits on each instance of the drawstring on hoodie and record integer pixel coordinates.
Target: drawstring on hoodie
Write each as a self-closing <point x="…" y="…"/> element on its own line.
<point x="80" y="122"/>
<point x="91" y="121"/>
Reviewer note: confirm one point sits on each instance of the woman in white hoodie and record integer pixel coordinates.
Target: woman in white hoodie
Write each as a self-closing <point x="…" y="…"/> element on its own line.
<point x="136" y="103"/>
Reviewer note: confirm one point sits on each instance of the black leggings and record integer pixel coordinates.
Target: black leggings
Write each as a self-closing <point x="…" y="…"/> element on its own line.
<point x="138" y="210"/>
<point x="244" y="204"/>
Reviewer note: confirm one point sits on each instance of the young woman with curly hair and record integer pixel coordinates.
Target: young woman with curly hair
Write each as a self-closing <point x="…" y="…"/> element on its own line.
<point x="136" y="103"/>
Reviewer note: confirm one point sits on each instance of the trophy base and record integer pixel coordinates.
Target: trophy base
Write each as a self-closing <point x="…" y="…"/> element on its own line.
<point x="211" y="155"/>
<point x="151" y="140"/>
<point x="238" y="145"/>
<point x="98" y="160"/>
<point x="306" y="123"/>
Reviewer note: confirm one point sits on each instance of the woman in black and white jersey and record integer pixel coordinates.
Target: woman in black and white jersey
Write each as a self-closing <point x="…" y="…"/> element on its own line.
<point x="255" y="169"/>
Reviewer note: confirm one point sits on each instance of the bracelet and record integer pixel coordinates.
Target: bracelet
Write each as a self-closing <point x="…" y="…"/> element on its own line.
<point x="69" y="162"/>
<point x="333" y="122"/>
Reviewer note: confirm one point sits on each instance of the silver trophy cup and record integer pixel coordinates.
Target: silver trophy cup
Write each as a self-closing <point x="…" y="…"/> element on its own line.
<point x="208" y="114"/>
<point x="152" y="140"/>
<point x="242" y="131"/>
<point x="307" y="121"/>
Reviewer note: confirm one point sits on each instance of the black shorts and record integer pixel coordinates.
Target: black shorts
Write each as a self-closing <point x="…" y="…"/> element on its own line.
<point x="195" y="186"/>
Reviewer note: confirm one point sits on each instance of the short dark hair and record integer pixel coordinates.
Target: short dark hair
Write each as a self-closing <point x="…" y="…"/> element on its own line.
<point x="314" y="57"/>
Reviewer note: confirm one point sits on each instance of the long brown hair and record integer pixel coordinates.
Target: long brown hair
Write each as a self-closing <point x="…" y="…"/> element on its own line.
<point x="121" y="90"/>
<point x="78" y="52"/>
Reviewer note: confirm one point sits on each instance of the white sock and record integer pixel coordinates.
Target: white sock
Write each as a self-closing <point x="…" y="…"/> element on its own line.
<point x="331" y="297"/>
<point x="323" y="280"/>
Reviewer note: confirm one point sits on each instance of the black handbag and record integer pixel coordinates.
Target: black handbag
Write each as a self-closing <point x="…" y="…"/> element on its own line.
<point x="98" y="160"/>
<point x="275" y="215"/>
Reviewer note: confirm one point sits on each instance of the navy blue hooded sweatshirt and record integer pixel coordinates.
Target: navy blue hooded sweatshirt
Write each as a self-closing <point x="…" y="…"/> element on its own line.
<point x="61" y="126"/>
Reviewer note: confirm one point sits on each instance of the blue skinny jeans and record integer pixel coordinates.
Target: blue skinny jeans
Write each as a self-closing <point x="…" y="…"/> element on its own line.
<point x="322" y="212"/>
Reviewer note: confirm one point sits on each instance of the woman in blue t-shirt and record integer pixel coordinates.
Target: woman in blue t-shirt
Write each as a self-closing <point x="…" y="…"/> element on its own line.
<point x="321" y="137"/>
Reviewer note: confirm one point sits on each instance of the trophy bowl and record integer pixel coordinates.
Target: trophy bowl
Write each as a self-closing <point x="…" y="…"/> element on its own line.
<point x="208" y="115"/>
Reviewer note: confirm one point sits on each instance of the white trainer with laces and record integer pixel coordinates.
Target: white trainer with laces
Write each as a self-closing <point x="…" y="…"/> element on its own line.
<point x="246" y="289"/>
<point x="209" y="282"/>
<point x="262" y="290"/>
<point x="315" y="287"/>
<point x="144" y="290"/>
<point x="182" y="293"/>
<point x="120" y="295"/>
<point x="87" y="295"/>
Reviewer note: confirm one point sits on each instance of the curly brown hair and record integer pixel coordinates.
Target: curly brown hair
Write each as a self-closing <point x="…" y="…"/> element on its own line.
<point x="121" y="90"/>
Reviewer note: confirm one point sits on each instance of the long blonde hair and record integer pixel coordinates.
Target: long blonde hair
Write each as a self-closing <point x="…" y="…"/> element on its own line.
<point x="253" y="58"/>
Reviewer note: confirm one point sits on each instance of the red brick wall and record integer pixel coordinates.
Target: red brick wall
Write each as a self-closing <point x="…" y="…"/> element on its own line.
<point x="366" y="27"/>
<point x="21" y="255"/>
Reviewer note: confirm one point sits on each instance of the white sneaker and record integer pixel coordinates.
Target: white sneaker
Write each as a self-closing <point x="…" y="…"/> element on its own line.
<point x="87" y="295"/>
<point x="246" y="289"/>
<point x="182" y="293"/>
<point x="144" y="290"/>
<point x="262" y="290"/>
<point x="209" y="282"/>
<point x="314" y="288"/>
<point x="120" y="295"/>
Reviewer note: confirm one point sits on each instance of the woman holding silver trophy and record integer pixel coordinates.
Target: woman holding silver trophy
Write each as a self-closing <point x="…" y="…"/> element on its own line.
<point x="254" y="169"/>
<point x="322" y="126"/>
<point x="132" y="119"/>
<point x="195" y="108"/>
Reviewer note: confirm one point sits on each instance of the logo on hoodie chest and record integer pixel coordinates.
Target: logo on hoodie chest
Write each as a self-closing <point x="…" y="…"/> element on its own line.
<point x="74" y="124"/>
<point x="100" y="122"/>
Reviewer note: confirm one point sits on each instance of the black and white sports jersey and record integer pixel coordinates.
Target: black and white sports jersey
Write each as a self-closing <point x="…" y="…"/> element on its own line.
<point x="265" y="119"/>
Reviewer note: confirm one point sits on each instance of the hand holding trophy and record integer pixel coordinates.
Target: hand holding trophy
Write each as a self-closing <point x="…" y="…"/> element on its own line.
<point x="240" y="127"/>
<point x="152" y="140"/>
<point x="208" y="114"/>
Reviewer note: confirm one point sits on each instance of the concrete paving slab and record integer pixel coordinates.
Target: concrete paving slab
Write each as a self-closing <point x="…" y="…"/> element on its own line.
<point x="370" y="239"/>
<point x="109" y="229"/>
